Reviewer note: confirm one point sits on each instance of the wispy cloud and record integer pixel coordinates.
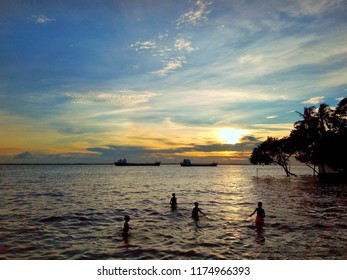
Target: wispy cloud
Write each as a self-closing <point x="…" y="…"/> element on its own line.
<point x="196" y="14"/>
<point x="170" y="66"/>
<point x="120" y="98"/>
<point x="145" y="45"/>
<point x="249" y="58"/>
<point x="41" y="19"/>
<point x="312" y="7"/>
<point x="272" y="117"/>
<point x="314" y="100"/>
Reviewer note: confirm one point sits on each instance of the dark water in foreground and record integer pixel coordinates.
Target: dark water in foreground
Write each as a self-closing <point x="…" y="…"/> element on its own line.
<point x="76" y="212"/>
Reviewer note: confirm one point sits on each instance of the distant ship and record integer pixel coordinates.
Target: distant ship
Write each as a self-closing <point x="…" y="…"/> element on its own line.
<point x="187" y="163"/>
<point x="123" y="162"/>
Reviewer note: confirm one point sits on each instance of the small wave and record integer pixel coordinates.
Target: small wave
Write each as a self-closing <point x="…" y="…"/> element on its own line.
<point x="49" y="194"/>
<point x="210" y="245"/>
<point x="190" y="254"/>
<point x="165" y="236"/>
<point x="152" y="212"/>
<point x="80" y="218"/>
<point x="83" y="217"/>
<point x="320" y="226"/>
<point x="342" y="226"/>
<point x="52" y="219"/>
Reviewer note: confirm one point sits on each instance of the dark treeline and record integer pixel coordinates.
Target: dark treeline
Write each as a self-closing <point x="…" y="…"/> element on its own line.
<point x="317" y="140"/>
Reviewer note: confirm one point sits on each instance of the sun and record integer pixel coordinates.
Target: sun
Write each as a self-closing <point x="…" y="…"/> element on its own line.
<point x="230" y="135"/>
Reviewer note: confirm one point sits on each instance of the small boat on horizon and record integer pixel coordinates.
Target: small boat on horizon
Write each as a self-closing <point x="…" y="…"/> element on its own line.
<point x="187" y="163"/>
<point x="124" y="162"/>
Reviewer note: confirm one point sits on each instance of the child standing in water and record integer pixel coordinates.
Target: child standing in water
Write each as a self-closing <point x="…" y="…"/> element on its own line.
<point x="195" y="212"/>
<point x="259" y="220"/>
<point x="126" y="226"/>
<point x="173" y="201"/>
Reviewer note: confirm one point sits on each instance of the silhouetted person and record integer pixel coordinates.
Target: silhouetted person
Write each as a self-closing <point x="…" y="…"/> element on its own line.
<point x="126" y="226"/>
<point x="195" y="212"/>
<point x="259" y="220"/>
<point x="173" y="201"/>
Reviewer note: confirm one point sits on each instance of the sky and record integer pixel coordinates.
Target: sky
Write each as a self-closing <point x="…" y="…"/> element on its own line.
<point x="96" y="81"/>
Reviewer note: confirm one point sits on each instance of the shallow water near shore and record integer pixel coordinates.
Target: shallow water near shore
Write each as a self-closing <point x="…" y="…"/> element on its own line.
<point x="76" y="212"/>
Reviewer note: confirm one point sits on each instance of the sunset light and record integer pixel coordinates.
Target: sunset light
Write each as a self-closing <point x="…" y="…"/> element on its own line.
<point x="231" y="135"/>
<point x="100" y="80"/>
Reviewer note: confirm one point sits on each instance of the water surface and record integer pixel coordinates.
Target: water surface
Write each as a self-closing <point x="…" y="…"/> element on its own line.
<point x="76" y="212"/>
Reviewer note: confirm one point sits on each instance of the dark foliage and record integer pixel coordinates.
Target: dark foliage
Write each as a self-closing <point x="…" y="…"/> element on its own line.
<point x="319" y="139"/>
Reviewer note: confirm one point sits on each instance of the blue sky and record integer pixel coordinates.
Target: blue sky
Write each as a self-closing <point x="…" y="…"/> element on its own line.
<point x="94" y="81"/>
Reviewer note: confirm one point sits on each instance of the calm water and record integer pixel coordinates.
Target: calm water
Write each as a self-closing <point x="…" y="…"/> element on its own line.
<point x="76" y="212"/>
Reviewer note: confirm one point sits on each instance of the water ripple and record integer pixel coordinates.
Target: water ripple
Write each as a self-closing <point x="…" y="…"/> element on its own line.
<point x="81" y="217"/>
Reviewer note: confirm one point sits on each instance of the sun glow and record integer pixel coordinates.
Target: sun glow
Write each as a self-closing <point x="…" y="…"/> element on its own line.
<point x="231" y="135"/>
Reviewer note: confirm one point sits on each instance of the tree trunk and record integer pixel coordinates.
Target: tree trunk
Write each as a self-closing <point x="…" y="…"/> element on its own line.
<point x="285" y="167"/>
<point x="315" y="172"/>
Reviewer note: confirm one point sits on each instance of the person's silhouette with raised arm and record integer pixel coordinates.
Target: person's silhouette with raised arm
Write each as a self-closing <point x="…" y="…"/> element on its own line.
<point x="259" y="220"/>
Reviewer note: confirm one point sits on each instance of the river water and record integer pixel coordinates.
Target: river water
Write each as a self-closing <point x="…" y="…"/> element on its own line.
<point x="77" y="212"/>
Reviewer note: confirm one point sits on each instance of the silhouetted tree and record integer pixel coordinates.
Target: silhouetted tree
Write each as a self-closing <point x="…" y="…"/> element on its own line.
<point x="305" y="137"/>
<point x="333" y="147"/>
<point x="274" y="151"/>
<point x="318" y="139"/>
<point x="340" y="117"/>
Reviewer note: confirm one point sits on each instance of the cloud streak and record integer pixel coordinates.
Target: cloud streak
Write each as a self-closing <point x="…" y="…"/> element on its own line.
<point x="118" y="98"/>
<point x="314" y="100"/>
<point x="145" y="45"/>
<point x="41" y="19"/>
<point x="170" y="66"/>
<point x="312" y="7"/>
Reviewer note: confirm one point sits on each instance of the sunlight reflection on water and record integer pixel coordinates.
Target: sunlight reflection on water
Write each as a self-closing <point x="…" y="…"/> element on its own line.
<point x="76" y="212"/>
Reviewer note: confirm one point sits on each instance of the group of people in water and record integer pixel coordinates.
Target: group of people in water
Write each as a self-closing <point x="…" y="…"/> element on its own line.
<point x="259" y="220"/>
